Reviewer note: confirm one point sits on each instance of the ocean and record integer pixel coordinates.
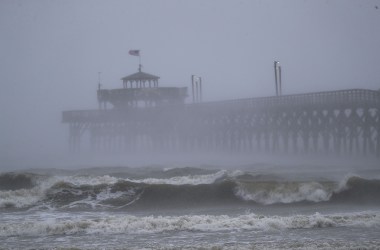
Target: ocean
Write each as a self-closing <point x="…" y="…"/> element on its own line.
<point x="254" y="206"/>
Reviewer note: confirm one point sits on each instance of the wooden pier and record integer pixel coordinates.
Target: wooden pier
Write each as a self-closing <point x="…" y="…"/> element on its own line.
<point x="345" y="122"/>
<point x="144" y="117"/>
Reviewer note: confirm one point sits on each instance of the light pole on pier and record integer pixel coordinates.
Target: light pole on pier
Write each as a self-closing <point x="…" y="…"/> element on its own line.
<point x="277" y="77"/>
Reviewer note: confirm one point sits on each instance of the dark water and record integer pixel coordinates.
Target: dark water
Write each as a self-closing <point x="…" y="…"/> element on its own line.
<point x="189" y="208"/>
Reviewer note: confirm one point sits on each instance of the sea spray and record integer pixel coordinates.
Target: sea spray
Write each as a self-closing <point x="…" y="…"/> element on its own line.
<point x="67" y="224"/>
<point x="217" y="188"/>
<point x="285" y="192"/>
<point x="184" y="180"/>
<point x="190" y="208"/>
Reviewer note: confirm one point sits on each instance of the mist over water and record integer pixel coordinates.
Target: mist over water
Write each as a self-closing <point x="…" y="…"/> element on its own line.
<point x="53" y="55"/>
<point x="251" y="206"/>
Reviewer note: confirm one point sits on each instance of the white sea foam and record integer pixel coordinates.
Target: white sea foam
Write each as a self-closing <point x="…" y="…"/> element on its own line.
<point x="88" y="180"/>
<point x="286" y="192"/>
<point x="236" y="173"/>
<point x="184" y="180"/>
<point x="107" y="194"/>
<point x="19" y="198"/>
<point x="343" y="183"/>
<point x="28" y="197"/>
<point x="99" y="201"/>
<point x="107" y="224"/>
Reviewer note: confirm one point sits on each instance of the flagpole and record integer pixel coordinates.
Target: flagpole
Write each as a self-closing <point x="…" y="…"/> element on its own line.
<point x="140" y="66"/>
<point x="136" y="53"/>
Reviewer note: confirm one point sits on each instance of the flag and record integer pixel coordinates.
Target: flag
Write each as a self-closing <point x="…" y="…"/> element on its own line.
<point x="134" y="52"/>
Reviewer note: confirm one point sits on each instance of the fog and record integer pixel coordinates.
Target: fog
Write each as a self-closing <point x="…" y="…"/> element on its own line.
<point x="51" y="53"/>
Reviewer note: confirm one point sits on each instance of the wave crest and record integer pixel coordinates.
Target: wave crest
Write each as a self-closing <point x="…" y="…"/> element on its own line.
<point x="216" y="188"/>
<point x="202" y="223"/>
<point x="285" y="192"/>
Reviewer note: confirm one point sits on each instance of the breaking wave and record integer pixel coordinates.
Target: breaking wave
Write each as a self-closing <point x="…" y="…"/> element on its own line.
<point x="287" y="192"/>
<point x="350" y="189"/>
<point x="183" y="180"/>
<point x="219" y="187"/>
<point x="201" y="223"/>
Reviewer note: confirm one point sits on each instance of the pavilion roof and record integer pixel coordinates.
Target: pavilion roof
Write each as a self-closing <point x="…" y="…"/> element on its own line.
<point x="140" y="76"/>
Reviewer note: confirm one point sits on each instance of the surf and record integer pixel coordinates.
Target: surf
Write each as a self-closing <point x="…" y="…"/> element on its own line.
<point x="68" y="224"/>
<point x="186" y="188"/>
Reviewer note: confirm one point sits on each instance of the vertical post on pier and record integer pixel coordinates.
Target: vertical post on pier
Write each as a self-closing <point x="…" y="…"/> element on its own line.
<point x="277" y="78"/>
<point x="200" y="89"/>
<point x="196" y="85"/>
<point x="192" y="87"/>
<point x="99" y="93"/>
<point x="196" y="90"/>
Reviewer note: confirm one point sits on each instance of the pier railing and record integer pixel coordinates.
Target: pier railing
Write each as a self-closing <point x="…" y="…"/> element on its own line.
<point x="357" y="97"/>
<point x="329" y="99"/>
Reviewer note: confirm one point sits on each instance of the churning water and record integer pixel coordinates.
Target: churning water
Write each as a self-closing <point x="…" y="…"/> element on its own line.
<point x="188" y="208"/>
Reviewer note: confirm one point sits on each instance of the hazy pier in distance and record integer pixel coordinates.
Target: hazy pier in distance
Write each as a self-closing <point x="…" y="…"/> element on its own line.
<point x="143" y="117"/>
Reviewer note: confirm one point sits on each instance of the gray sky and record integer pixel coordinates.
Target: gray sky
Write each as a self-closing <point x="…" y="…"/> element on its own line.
<point x="51" y="53"/>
